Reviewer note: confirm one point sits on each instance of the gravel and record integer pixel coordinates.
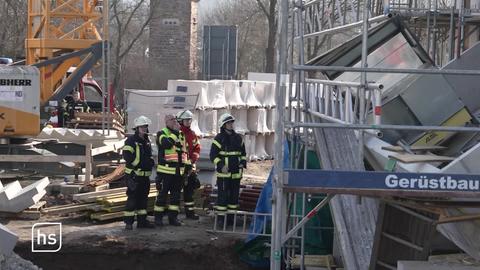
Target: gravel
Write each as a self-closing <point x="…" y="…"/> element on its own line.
<point x="15" y="262"/>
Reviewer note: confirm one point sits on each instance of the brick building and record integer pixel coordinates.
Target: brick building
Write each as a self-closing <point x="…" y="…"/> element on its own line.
<point x="173" y="41"/>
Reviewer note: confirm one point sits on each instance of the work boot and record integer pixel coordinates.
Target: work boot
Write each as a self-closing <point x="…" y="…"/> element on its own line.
<point x="128" y="227"/>
<point x="159" y="219"/>
<point x="172" y="219"/>
<point x="190" y="214"/>
<point x="143" y="223"/>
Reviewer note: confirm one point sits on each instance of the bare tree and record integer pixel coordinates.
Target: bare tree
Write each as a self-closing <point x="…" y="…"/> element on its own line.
<point x="268" y="8"/>
<point x="128" y="25"/>
<point x="13" y="22"/>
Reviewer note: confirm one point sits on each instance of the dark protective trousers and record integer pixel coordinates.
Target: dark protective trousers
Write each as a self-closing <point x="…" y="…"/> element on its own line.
<point x="228" y="192"/>
<point x="169" y="183"/>
<point x="138" y="188"/>
<point x="192" y="184"/>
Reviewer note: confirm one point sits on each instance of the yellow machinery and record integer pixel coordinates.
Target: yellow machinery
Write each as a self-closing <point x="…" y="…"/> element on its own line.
<point x="60" y="34"/>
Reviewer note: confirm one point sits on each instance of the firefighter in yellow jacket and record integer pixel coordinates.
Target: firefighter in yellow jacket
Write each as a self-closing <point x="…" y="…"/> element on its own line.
<point x="137" y="153"/>
<point x="172" y="163"/>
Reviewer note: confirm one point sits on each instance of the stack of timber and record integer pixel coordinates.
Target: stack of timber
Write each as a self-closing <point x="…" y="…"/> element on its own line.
<point x="248" y="197"/>
<point x="95" y="120"/>
<point x="100" y="205"/>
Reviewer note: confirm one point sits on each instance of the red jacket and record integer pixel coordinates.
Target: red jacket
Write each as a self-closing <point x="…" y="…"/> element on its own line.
<point x="192" y="143"/>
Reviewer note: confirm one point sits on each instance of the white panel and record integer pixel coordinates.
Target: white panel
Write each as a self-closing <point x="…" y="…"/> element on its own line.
<point x="260" y="152"/>
<point x="184" y="87"/>
<point x="265" y="94"/>
<point x="250" y="147"/>
<point x="257" y="120"/>
<point x="270" y="145"/>
<point x="240" y="120"/>
<point x="216" y="94"/>
<point x="271" y="119"/>
<point x="207" y="120"/>
<point x="232" y="94"/>
<point x="247" y="92"/>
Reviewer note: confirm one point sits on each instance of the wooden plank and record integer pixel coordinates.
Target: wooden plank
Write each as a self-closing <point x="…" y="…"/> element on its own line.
<point x="314" y="261"/>
<point x="69" y="208"/>
<point x="94" y="195"/>
<point x="102" y="216"/>
<point x="106" y="216"/>
<point x="414" y="148"/>
<point x="40" y="158"/>
<point x="38" y="206"/>
<point x="408" y="158"/>
<point x="88" y="163"/>
<point x="26" y="214"/>
<point x="461" y="218"/>
<point x="114" y="201"/>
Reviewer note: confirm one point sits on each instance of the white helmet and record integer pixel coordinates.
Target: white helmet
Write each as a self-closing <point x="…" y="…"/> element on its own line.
<point x="142" y="121"/>
<point x="225" y="118"/>
<point x="184" y="115"/>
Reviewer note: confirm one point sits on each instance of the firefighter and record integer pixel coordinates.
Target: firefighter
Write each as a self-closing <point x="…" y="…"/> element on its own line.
<point x="172" y="159"/>
<point x="228" y="154"/>
<point x="137" y="153"/>
<point x="72" y="104"/>
<point x="192" y="183"/>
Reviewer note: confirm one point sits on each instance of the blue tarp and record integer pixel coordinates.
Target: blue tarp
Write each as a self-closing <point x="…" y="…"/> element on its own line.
<point x="264" y="203"/>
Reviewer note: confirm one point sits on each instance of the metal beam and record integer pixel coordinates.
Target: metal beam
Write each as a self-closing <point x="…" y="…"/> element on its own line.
<point x="306" y="218"/>
<point x="388" y="127"/>
<point x="38" y="158"/>
<point x="370" y="86"/>
<point x="387" y="70"/>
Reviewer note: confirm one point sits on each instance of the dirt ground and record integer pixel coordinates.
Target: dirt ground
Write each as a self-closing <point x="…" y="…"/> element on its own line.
<point x="86" y="244"/>
<point x="257" y="172"/>
<point x="108" y="246"/>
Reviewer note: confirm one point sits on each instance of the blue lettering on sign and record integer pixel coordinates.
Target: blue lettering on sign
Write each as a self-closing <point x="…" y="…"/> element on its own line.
<point x="383" y="180"/>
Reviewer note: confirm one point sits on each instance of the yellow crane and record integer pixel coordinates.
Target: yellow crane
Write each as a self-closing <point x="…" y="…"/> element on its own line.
<point x="60" y="34"/>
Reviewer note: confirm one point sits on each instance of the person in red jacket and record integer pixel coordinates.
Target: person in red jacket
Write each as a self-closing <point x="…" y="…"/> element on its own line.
<point x="192" y="183"/>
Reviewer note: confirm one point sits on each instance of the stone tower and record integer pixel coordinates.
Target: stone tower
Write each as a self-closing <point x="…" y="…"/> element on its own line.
<point x="173" y="41"/>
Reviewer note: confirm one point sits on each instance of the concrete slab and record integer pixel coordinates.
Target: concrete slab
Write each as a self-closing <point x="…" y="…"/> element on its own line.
<point x="423" y="265"/>
<point x="27" y="197"/>
<point x="10" y="190"/>
<point x="8" y="240"/>
<point x="70" y="189"/>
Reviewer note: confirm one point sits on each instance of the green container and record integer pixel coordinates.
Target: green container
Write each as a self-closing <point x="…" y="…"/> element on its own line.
<point x="318" y="230"/>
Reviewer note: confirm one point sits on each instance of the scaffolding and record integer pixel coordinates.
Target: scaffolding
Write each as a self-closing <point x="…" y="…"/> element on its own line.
<point x="318" y="107"/>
